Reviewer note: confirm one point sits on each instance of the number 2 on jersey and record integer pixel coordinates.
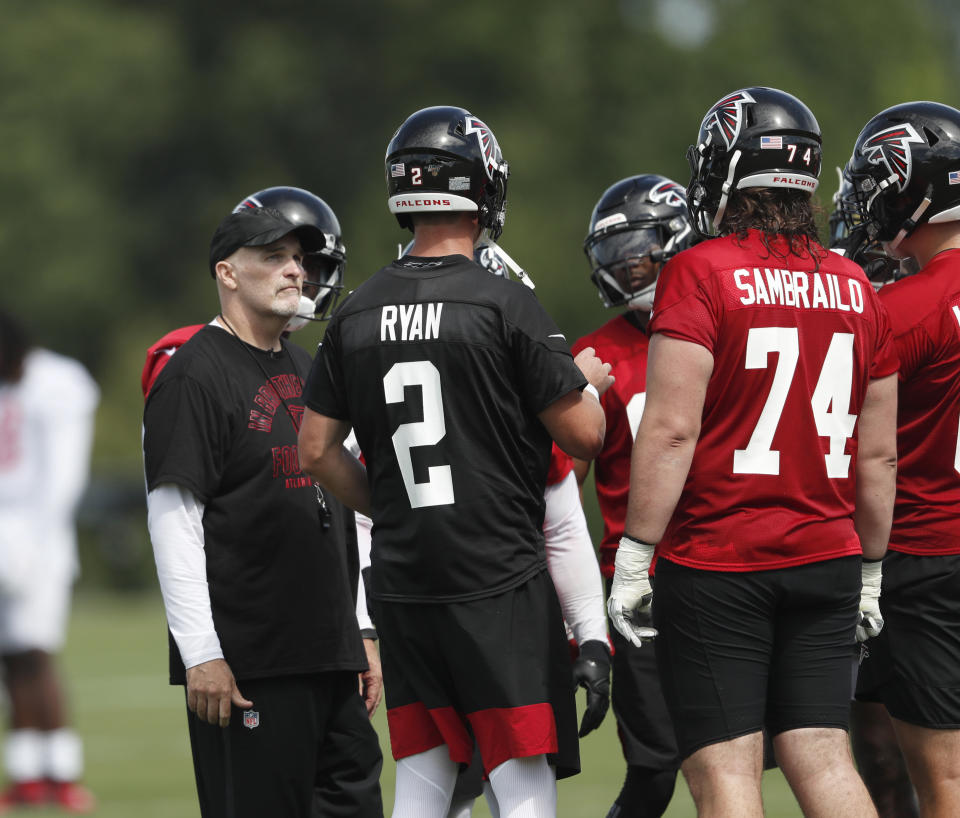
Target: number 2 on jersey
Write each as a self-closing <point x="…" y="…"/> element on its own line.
<point x="830" y="402"/>
<point x="438" y="489"/>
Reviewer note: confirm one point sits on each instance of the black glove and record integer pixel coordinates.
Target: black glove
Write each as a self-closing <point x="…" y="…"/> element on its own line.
<point x="591" y="671"/>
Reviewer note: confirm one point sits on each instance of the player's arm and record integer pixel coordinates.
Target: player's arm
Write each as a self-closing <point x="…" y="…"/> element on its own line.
<point x="677" y="376"/>
<point x="678" y="373"/>
<point x="576" y="421"/>
<point x="876" y="466"/>
<point x="175" y="522"/>
<point x="576" y="576"/>
<point x="572" y="562"/>
<point x="371" y="680"/>
<point x="581" y="468"/>
<point x="324" y="457"/>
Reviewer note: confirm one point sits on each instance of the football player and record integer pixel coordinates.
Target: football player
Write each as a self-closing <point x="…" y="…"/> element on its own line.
<point x="47" y="408"/>
<point x="455" y="381"/>
<point x="904" y="180"/>
<point x="763" y="471"/>
<point x="637" y="225"/>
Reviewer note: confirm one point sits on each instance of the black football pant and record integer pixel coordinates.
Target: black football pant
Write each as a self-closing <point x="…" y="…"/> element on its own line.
<point x="306" y="749"/>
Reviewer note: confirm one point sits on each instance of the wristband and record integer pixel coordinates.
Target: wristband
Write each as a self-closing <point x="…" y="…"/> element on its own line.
<point x="592" y="390"/>
<point x="637" y="540"/>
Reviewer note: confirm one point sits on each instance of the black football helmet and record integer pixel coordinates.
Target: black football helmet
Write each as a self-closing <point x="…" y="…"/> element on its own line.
<point x="444" y="159"/>
<point x="755" y="137"/>
<point x="637" y="218"/>
<point x="905" y="171"/>
<point x="850" y="237"/>
<point x="325" y="256"/>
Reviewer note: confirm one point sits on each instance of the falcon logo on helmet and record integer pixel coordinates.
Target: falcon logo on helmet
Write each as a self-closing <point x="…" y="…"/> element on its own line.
<point x="727" y="117"/>
<point x="891" y="146"/>
<point x="668" y="193"/>
<point x="489" y="149"/>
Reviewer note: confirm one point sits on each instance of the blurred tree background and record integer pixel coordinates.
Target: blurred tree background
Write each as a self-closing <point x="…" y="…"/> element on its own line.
<point x="128" y="129"/>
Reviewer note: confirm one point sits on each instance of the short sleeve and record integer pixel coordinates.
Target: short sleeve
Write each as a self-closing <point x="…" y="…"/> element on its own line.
<point x="325" y="391"/>
<point x="886" y="358"/>
<point x="685" y="306"/>
<point x="185" y="437"/>
<point x="545" y="368"/>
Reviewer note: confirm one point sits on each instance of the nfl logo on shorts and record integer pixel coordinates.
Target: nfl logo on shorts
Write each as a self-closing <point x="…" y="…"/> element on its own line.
<point x="251" y="719"/>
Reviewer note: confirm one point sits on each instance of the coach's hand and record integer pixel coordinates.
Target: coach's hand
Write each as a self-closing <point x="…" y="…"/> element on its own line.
<point x="631" y="590"/>
<point x="591" y="671"/>
<point x="871" y="621"/>
<point x="211" y="690"/>
<point x="371" y="680"/>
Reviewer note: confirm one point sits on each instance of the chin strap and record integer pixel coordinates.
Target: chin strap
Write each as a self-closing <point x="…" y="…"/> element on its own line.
<point x="910" y="223"/>
<point x="725" y="190"/>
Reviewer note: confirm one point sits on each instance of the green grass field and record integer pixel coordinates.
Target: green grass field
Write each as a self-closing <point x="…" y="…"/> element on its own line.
<point x="138" y="756"/>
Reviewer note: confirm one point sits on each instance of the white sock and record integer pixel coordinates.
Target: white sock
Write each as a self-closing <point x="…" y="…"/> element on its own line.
<point x="23" y="755"/>
<point x="492" y="804"/>
<point x="525" y="788"/>
<point x="463" y="808"/>
<point x="63" y="755"/>
<point x="425" y="783"/>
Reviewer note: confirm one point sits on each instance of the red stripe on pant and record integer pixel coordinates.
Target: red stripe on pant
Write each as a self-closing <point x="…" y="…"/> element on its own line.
<point x="414" y="729"/>
<point x="502" y="733"/>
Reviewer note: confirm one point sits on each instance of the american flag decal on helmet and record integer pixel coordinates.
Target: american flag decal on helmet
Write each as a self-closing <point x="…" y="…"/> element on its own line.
<point x="670" y="193"/>
<point x="727" y="117"/>
<point x="891" y="147"/>
<point x="492" y="158"/>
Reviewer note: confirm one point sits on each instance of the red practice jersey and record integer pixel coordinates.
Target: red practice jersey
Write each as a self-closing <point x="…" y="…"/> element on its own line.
<point x="160" y="352"/>
<point x="924" y="312"/>
<point x="794" y="345"/>
<point x="623" y="346"/>
<point x="561" y="464"/>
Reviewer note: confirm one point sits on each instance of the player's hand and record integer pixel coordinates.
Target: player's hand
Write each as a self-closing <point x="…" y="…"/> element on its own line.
<point x="591" y="671"/>
<point x="211" y="690"/>
<point x="371" y="680"/>
<point x="871" y="621"/>
<point x="594" y="370"/>
<point x="631" y="592"/>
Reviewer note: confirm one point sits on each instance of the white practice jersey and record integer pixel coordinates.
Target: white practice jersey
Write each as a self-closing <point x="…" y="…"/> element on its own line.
<point x="46" y="433"/>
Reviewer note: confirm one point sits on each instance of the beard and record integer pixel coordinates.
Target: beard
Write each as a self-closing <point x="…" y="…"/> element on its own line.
<point x="285" y="306"/>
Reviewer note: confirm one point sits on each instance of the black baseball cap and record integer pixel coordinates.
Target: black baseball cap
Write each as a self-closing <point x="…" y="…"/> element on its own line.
<point x="250" y="227"/>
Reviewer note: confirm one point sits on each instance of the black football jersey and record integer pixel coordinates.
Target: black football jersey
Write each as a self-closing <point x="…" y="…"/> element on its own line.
<point x="442" y="368"/>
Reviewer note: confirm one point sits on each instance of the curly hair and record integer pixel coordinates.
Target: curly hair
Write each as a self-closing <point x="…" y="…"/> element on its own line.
<point x="779" y="214"/>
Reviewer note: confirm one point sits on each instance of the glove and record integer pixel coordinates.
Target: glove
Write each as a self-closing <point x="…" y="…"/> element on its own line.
<point x="631" y="592"/>
<point x="591" y="671"/>
<point x="871" y="621"/>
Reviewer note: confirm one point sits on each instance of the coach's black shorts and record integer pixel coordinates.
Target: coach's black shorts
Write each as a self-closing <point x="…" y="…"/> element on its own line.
<point x="495" y="670"/>
<point x="913" y="666"/>
<point x="643" y="721"/>
<point x="306" y="747"/>
<point x="740" y="650"/>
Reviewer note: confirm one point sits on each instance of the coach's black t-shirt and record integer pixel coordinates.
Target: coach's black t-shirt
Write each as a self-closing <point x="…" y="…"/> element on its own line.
<point x="278" y="581"/>
<point x="442" y="369"/>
